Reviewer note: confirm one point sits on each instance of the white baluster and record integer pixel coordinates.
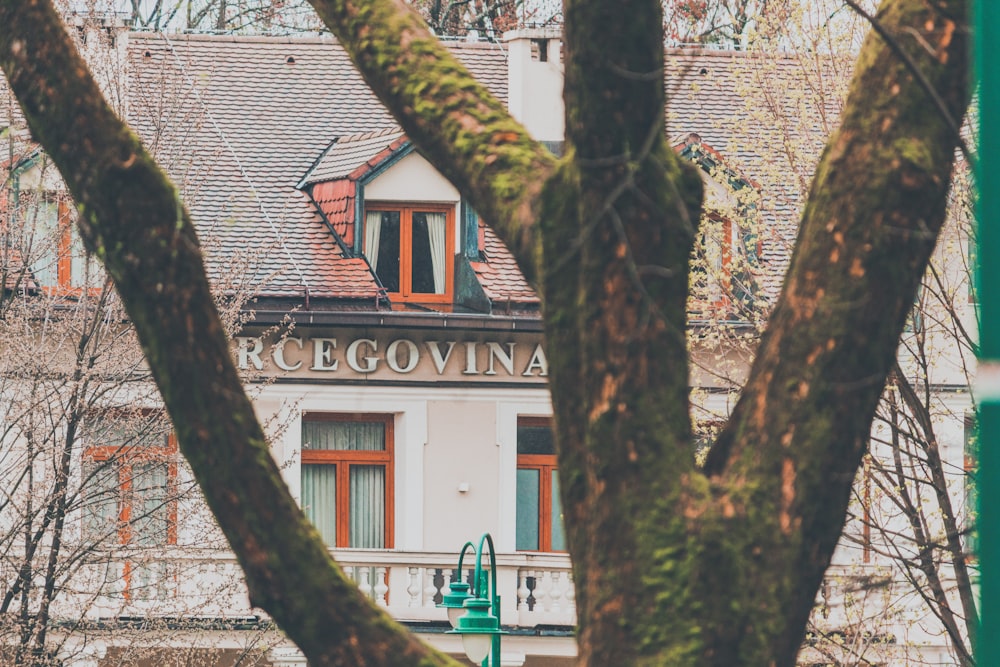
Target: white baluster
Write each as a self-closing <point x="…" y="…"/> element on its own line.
<point x="541" y="592"/>
<point x="430" y="589"/>
<point x="413" y="586"/>
<point x="522" y="589"/>
<point x="556" y="592"/>
<point x="363" y="577"/>
<point x="381" y="588"/>
<point x="570" y="596"/>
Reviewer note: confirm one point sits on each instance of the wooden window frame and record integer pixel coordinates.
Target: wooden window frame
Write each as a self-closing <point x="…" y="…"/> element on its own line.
<point x="723" y="299"/>
<point x="123" y="457"/>
<point x="344" y="459"/>
<point x="64" y="249"/>
<point x="406" y="211"/>
<point x="545" y="464"/>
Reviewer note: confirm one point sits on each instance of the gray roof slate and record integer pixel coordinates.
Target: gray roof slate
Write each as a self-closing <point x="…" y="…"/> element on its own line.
<point x="347" y="154"/>
<point x="241" y="123"/>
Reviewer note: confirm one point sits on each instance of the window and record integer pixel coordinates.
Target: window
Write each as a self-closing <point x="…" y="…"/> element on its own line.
<point x="410" y="249"/>
<point x="347" y="478"/>
<point x="971" y="468"/>
<point x="727" y="252"/>
<point x="58" y="260"/>
<point x="130" y="490"/>
<point x="539" y="512"/>
<point x="711" y="266"/>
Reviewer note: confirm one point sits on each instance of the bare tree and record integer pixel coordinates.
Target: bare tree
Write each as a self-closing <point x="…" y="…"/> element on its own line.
<point x="673" y="563"/>
<point x="95" y="496"/>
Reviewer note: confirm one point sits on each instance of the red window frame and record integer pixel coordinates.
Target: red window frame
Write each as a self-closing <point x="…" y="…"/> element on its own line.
<point x="712" y="300"/>
<point x="123" y="457"/>
<point x="344" y="459"/>
<point x="64" y="248"/>
<point x="545" y="464"/>
<point x="406" y="212"/>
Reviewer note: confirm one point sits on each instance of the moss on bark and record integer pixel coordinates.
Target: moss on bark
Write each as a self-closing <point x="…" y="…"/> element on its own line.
<point x="132" y="218"/>
<point x="673" y="565"/>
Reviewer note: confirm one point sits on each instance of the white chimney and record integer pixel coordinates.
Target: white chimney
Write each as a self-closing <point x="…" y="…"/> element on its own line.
<point x="102" y="40"/>
<point x="535" y="81"/>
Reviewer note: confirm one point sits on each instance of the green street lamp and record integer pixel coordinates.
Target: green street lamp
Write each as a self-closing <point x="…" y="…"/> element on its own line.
<point x="475" y="615"/>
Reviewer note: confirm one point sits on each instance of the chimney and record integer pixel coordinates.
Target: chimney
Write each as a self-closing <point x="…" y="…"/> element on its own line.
<point x="102" y="40"/>
<point x="535" y="81"/>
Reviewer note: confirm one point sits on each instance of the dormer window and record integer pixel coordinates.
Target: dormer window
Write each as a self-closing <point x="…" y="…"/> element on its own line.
<point x="726" y="254"/>
<point x="410" y="248"/>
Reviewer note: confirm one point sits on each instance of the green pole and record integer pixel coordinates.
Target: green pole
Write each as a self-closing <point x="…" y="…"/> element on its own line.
<point x="987" y="60"/>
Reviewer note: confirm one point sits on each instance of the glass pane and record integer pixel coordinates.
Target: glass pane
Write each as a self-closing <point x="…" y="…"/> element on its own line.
<point x="129" y="430"/>
<point x="528" y="500"/>
<point x="84" y="269"/>
<point x="100" y="498"/>
<point x="319" y="499"/>
<point x="150" y="512"/>
<point x="43" y="238"/>
<point x="387" y="262"/>
<point x="344" y="436"/>
<point x="427" y="271"/>
<point x="367" y="521"/>
<point x="558" y="534"/>
<point x="151" y="579"/>
<point x="535" y="440"/>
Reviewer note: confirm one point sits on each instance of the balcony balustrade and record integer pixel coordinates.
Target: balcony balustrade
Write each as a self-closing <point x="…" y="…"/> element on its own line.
<point x="535" y="589"/>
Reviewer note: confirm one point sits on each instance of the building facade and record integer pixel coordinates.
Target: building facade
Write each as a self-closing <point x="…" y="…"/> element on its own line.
<point x="395" y="353"/>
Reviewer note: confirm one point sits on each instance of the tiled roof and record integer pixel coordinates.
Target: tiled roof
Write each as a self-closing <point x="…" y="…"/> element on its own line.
<point x="499" y="275"/>
<point x="333" y="180"/>
<point x="336" y="200"/>
<point x="768" y="116"/>
<point x="352" y="157"/>
<point x="487" y="61"/>
<point x="239" y="121"/>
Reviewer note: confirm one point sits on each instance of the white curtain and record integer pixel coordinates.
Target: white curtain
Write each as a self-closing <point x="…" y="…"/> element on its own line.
<point x="436" y="234"/>
<point x="373" y="233"/>
<point x="367" y="521"/>
<point x="151" y="519"/>
<point x="101" y="498"/>
<point x="43" y="240"/>
<point x="344" y="436"/>
<point x="319" y="499"/>
<point x="558" y="531"/>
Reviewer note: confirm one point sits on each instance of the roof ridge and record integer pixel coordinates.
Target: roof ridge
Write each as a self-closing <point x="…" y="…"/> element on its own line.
<point x="149" y="35"/>
<point x="319" y="159"/>
<point x="374" y="134"/>
<point x="736" y="54"/>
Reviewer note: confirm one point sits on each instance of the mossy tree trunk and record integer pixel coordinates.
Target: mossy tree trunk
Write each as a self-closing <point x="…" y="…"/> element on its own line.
<point x="132" y="219"/>
<point x="674" y="564"/>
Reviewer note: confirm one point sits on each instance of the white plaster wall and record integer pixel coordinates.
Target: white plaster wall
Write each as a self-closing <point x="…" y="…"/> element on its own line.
<point x="462" y="490"/>
<point x="411" y="179"/>
<point x="444" y="437"/>
<point x="535" y="87"/>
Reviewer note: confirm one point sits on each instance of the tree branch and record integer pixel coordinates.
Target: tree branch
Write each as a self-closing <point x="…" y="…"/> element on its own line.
<point x="132" y="219"/>
<point x="459" y="126"/>
<point x="876" y="205"/>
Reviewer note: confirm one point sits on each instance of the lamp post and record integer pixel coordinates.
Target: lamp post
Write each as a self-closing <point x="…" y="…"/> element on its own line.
<point x="475" y="614"/>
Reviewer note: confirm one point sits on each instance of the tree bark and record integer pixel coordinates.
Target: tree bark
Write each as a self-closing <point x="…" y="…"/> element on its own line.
<point x="795" y="439"/>
<point x="673" y="565"/>
<point x="133" y="220"/>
